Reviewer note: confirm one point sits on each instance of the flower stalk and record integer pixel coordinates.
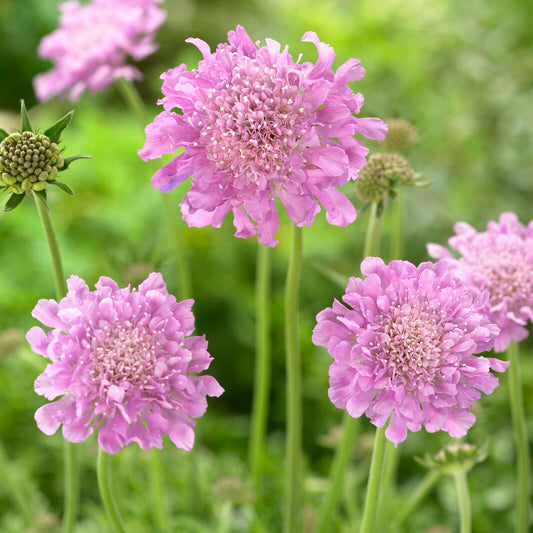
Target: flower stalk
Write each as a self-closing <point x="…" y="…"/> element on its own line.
<point x="521" y="441"/>
<point x="106" y="494"/>
<point x="463" y="497"/>
<point x="294" y="378"/>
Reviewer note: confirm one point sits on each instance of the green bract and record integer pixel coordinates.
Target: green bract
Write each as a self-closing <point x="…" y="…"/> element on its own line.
<point x="30" y="161"/>
<point x="455" y="456"/>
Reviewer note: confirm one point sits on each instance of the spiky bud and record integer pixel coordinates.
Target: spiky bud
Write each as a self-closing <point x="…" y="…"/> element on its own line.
<point x="402" y="136"/>
<point x="455" y="456"/>
<point x="231" y="489"/>
<point x="379" y="176"/>
<point x="29" y="161"/>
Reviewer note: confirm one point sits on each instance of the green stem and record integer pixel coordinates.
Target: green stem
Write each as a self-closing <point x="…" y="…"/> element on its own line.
<point x="390" y="465"/>
<point x="374" y="481"/>
<point x="224" y="519"/>
<point x="397" y="228"/>
<point x="294" y="408"/>
<point x="463" y="497"/>
<point x="105" y="493"/>
<point x="69" y="450"/>
<point x="262" y="363"/>
<point x="338" y="471"/>
<point x="373" y="232"/>
<point x="414" y="499"/>
<point x="156" y="487"/>
<point x="133" y="99"/>
<point x="174" y="225"/>
<point x="521" y="441"/>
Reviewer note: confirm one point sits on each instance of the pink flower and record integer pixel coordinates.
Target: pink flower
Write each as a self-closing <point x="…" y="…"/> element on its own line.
<point x="500" y="261"/>
<point x="122" y="361"/>
<point x="404" y="347"/>
<point x="92" y="43"/>
<point x="256" y="126"/>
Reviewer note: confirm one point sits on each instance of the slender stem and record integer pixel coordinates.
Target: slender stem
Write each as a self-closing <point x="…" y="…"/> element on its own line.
<point x="397" y="228"/>
<point x="224" y="518"/>
<point x="414" y="499"/>
<point x="46" y="221"/>
<point x="174" y="225"/>
<point x="69" y="451"/>
<point x="338" y="471"/>
<point x="374" y="481"/>
<point x="463" y="497"/>
<point x="294" y="408"/>
<point x="390" y="465"/>
<point x="105" y="493"/>
<point x="156" y="487"/>
<point x="373" y="232"/>
<point x="133" y="99"/>
<point x="521" y="441"/>
<point x="262" y="363"/>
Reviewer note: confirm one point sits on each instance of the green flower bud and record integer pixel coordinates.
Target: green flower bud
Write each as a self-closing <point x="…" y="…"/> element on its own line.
<point x="455" y="456"/>
<point x="401" y="138"/>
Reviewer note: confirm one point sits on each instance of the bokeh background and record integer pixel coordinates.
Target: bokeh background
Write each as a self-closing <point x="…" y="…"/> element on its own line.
<point x="461" y="72"/>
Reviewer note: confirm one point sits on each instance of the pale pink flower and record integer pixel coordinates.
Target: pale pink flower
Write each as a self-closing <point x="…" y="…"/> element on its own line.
<point x="256" y="126"/>
<point x="404" y="347"/>
<point x="124" y="364"/>
<point x="500" y="261"/>
<point x="92" y="44"/>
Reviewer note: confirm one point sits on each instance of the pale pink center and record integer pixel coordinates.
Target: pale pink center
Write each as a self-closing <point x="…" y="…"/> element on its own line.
<point x="254" y="123"/>
<point x="123" y="353"/>
<point x="411" y="336"/>
<point x="506" y="269"/>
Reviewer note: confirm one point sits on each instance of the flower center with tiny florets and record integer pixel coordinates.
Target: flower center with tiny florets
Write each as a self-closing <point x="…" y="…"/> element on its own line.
<point x="124" y="353"/>
<point x="28" y="161"/>
<point x="506" y="269"/>
<point x="254" y="122"/>
<point x="411" y="335"/>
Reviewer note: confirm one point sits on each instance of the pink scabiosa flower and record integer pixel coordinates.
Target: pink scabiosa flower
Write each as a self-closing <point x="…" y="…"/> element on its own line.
<point x="500" y="261"/>
<point x="255" y="126"/>
<point x="123" y="362"/>
<point x="404" y="347"/>
<point x="92" y="44"/>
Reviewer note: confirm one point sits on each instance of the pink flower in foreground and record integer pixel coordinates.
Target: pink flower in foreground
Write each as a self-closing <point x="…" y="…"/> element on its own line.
<point x="92" y="44"/>
<point x="121" y="360"/>
<point x="500" y="261"/>
<point x="405" y="348"/>
<point x="255" y="126"/>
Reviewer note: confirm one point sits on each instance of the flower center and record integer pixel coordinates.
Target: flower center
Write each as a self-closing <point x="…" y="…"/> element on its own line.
<point x="123" y="353"/>
<point x="411" y="338"/>
<point x="254" y="123"/>
<point x="506" y="269"/>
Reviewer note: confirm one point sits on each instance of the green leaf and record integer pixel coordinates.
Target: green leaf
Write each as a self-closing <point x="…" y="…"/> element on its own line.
<point x="42" y="197"/>
<point x="68" y="160"/>
<point x="14" y="201"/>
<point x="26" y="124"/>
<point x="63" y="186"/>
<point x="55" y="130"/>
<point x="3" y="134"/>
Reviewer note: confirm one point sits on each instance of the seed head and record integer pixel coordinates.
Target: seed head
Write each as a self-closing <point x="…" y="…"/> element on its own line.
<point x="402" y="136"/>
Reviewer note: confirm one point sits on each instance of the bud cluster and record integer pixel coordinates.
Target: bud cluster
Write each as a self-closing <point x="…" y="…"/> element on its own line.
<point x="378" y="177"/>
<point x="28" y="161"/>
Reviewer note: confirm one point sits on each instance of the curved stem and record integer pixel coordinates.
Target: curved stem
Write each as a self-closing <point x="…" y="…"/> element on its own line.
<point x="69" y="451"/>
<point x="373" y="232"/>
<point x="338" y="470"/>
<point x="390" y="465"/>
<point x="374" y="481"/>
<point x="294" y="408"/>
<point x="262" y="363"/>
<point x="105" y="493"/>
<point x="463" y="497"/>
<point x="397" y="228"/>
<point x="133" y="99"/>
<point x="414" y="499"/>
<point x="521" y="441"/>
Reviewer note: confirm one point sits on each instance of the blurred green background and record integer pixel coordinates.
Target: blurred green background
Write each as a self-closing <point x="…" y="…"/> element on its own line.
<point x="461" y="72"/>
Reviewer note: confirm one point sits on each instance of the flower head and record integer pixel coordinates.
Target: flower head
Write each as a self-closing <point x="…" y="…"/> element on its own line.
<point x="500" y="261"/>
<point x="92" y="44"/>
<point x="30" y="161"/>
<point x="123" y="361"/>
<point x="405" y="348"/>
<point x="257" y="125"/>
